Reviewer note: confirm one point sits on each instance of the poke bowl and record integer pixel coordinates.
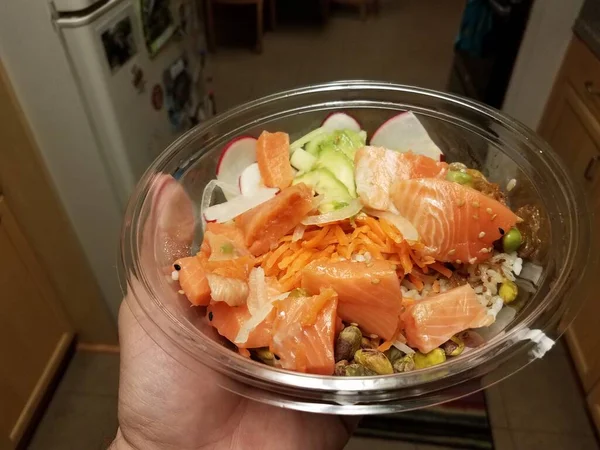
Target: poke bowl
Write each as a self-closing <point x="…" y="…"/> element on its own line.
<point x="306" y="246"/>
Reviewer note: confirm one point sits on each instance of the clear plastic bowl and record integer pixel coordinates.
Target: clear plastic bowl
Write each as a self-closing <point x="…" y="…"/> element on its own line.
<point x="157" y="231"/>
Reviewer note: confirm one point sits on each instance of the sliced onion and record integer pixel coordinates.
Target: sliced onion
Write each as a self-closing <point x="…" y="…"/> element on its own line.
<point x="252" y="323"/>
<point x="503" y="318"/>
<point x="403" y="347"/>
<point x="257" y="296"/>
<point x="298" y="232"/>
<point x="531" y="272"/>
<point x="224" y="212"/>
<point x="406" y="229"/>
<point x="350" y="210"/>
<point x="229" y="290"/>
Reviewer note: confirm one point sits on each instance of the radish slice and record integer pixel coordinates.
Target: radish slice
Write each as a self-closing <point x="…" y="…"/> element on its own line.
<point x="340" y="121"/>
<point x="235" y="157"/>
<point x="250" y="180"/>
<point x="229" y="290"/>
<point x="405" y="132"/>
<point x="227" y="211"/>
<point x="406" y="229"/>
<point x="350" y="210"/>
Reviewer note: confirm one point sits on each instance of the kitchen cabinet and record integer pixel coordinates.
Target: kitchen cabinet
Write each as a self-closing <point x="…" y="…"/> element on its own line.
<point x="34" y="332"/>
<point x="571" y="124"/>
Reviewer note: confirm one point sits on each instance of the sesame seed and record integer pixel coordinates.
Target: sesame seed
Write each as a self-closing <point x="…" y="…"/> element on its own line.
<point x="476" y="216"/>
<point x="511" y="185"/>
<point x="501" y="231"/>
<point x="375" y="281"/>
<point x="519" y="220"/>
<point x="482" y="235"/>
<point x="373" y="336"/>
<point x="472" y="260"/>
<point x="494" y="216"/>
<point x="180" y="291"/>
<point x="460" y="202"/>
<point x="369" y="264"/>
<point x="458" y="261"/>
<point x="354" y="324"/>
<point x="475" y="204"/>
<point x="484" y="250"/>
<point x="210" y="316"/>
<point x="452" y="252"/>
<point x="175" y="275"/>
<point x="177" y="266"/>
<point x="489" y="210"/>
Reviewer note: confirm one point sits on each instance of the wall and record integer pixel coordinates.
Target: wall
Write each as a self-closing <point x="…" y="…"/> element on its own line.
<point x="38" y="70"/>
<point x="544" y="44"/>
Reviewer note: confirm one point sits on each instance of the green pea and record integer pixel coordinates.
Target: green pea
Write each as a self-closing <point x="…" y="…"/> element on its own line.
<point x="459" y="177"/>
<point x="512" y="240"/>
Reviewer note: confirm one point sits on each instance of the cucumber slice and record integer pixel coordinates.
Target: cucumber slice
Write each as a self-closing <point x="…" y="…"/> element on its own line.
<point x="339" y="165"/>
<point x="302" y="160"/>
<point x="314" y="145"/>
<point x="325" y="183"/>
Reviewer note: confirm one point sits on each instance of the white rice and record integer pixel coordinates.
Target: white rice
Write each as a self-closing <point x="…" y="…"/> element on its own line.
<point x="485" y="278"/>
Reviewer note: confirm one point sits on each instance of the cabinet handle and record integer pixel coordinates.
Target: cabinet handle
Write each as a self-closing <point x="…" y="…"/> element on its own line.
<point x="589" y="87"/>
<point x="588" y="174"/>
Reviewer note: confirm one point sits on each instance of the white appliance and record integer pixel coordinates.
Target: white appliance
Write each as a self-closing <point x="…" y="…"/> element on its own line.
<point x="105" y="85"/>
<point x="139" y="67"/>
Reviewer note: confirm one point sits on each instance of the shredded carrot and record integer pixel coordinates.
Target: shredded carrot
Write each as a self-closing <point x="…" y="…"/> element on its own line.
<point x="436" y="286"/>
<point x="416" y="281"/>
<point x="275" y="255"/>
<point x="341" y="236"/>
<point x="244" y="352"/>
<point x="390" y="230"/>
<point x="317" y="239"/>
<point x="441" y="269"/>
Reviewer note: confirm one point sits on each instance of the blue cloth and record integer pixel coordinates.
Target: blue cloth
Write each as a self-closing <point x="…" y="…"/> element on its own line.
<point x="476" y="23"/>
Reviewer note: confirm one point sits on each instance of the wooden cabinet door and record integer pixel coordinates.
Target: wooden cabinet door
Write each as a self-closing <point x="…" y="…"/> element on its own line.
<point x="593" y="400"/>
<point x="34" y="334"/>
<point x="571" y="124"/>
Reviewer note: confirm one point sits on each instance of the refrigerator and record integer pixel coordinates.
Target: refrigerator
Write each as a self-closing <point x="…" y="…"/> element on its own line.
<point x="140" y="68"/>
<point x="105" y="86"/>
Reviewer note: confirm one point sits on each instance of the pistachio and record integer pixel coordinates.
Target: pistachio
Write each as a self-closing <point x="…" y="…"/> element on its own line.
<point x="433" y="358"/>
<point x="265" y="356"/>
<point x="374" y="360"/>
<point x="340" y="367"/>
<point x="508" y="291"/>
<point x="365" y="342"/>
<point x="348" y="342"/>
<point x="393" y="354"/>
<point x="453" y="347"/>
<point x="357" y="370"/>
<point x="404" y="364"/>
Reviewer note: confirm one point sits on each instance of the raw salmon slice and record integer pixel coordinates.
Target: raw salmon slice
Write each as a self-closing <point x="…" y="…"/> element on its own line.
<point x="376" y="168"/>
<point x="430" y="322"/>
<point x="273" y="157"/>
<point x="455" y="222"/>
<point x="238" y="268"/>
<point x="369" y="293"/>
<point x="192" y="279"/>
<point x="264" y="225"/>
<point x="304" y="333"/>
<point x="228" y="320"/>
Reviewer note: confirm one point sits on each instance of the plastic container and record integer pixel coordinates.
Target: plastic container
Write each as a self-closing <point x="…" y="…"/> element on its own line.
<point x="159" y="228"/>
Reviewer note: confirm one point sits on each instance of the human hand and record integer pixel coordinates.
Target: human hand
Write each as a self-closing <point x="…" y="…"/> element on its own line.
<point x="164" y="405"/>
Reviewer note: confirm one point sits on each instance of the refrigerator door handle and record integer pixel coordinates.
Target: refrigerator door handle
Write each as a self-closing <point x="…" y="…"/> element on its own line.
<point x="83" y="17"/>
